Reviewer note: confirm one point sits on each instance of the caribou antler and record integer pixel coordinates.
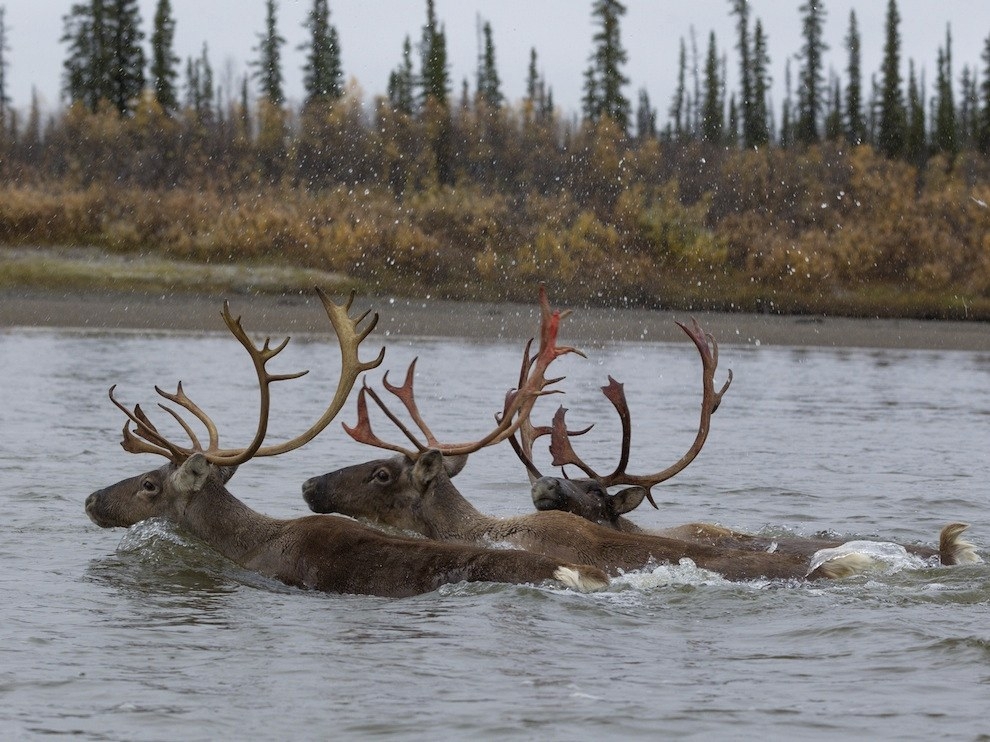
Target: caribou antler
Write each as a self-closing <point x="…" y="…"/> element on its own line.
<point x="563" y="453"/>
<point x="145" y="437"/>
<point x="515" y="411"/>
<point x="528" y="433"/>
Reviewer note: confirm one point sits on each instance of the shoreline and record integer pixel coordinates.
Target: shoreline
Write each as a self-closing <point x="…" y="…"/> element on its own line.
<point x="302" y="313"/>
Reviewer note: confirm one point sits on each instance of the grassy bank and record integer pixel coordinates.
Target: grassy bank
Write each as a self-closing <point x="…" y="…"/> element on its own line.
<point x="96" y="270"/>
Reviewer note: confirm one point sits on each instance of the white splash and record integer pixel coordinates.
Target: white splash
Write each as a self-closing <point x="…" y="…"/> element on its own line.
<point x="868" y="555"/>
<point x="148" y="532"/>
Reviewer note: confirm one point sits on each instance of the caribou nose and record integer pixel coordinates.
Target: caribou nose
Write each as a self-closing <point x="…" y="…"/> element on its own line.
<point x="310" y="490"/>
<point x="92" y="509"/>
<point x="546" y="493"/>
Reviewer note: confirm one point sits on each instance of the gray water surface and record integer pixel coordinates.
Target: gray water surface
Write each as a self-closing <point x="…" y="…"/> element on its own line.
<point x="146" y="635"/>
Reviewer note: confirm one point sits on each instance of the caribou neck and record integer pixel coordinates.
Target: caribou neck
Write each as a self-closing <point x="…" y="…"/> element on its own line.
<point x="622" y="523"/>
<point x="229" y="526"/>
<point x="452" y="517"/>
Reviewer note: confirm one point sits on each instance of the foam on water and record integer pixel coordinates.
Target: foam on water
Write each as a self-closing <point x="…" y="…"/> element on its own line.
<point x="877" y="555"/>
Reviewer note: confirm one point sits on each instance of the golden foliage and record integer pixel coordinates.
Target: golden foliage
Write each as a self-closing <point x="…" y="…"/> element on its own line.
<point x="486" y="202"/>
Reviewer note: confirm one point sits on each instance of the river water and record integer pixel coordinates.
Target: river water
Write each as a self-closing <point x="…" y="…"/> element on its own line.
<point x="146" y="635"/>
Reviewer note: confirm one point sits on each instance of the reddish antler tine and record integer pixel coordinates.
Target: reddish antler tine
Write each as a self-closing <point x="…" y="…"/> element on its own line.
<point x="361" y="429"/>
<point x="564" y="453"/>
<point x="518" y="404"/>
<point x="615" y="393"/>
<point x="560" y="444"/>
<point x="362" y="432"/>
<point x="528" y="433"/>
<point x="405" y="394"/>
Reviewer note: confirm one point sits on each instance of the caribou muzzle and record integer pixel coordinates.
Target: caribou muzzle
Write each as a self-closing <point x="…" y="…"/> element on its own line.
<point x="315" y="493"/>
<point x="98" y="510"/>
<point x="547" y="495"/>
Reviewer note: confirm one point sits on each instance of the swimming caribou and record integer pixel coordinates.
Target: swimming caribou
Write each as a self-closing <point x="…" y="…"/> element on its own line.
<point x="318" y="552"/>
<point x="413" y="492"/>
<point x="589" y="498"/>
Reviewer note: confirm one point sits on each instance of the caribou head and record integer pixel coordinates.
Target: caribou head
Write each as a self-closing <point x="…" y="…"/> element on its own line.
<point x="412" y="490"/>
<point x="589" y="496"/>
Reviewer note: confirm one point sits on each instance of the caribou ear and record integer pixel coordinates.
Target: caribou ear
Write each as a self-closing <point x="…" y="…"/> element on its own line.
<point x="427" y="468"/>
<point x="192" y="475"/>
<point x="454" y="464"/>
<point x="626" y="500"/>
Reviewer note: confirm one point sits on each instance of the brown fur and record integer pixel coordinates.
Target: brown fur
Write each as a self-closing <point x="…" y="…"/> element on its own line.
<point x="420" y="497"/>
<point x="324" y="553"/>
<point x="589" y="500"/>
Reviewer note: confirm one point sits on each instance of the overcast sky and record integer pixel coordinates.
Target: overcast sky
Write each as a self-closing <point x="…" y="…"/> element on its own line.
<point x="372" y="32"/>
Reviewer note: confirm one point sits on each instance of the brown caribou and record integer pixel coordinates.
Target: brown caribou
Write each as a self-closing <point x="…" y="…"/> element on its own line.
<point x="324" y="553"/>
<point x="413" y="492"/>
<point x="589" y="496"/>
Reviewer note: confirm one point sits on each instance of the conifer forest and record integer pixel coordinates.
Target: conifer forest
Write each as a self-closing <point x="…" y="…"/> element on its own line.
<point x="862" y="193"/>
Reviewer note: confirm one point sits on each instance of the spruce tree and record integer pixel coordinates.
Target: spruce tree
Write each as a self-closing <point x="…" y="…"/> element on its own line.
<point x="323" y="75"/>
<point x="192" y="84"/>
<point x="711" y="110"/>
<point x="607" y="61"/>
<point x="695" y="107"/>
<point x="199" y="87"/>
<point x="855" y="125"/>
<point x="538" y="96"/>
<point x="810" y="77"/>
<point x="77" y="35"/>
<point x="127" y="55"/>
<point x="31" y="137"/>
<point x="268" y="66"/>
<point x="163" y="60"/>
<point x="759" y="132"/>
<point x="646" y="117"/>
<point x="732" y="128"/>
<point x="915" y="146"/>
<point x="678" y="104"/>
<point x="944" y="128"/>
<point x="489" y="85"/>
<point x="4" y="48"/>
<point x="744" y="110"/>
<point x="873" y="111"/>
<point x="206" y="103"/>
<point x="966" y="121"/>
<point x="591" y="102"/>
<point x="244" y="118"/>
<point x="105" y="61"/>
<point x="833" y="128"/>
<point x="434" y="75"/>
<point x="401" y="82"/>
<point x="786" y="111"/>
<point x="892" y="118"/>
<point x="532" y="77"/>
<point x="982" y="133"/>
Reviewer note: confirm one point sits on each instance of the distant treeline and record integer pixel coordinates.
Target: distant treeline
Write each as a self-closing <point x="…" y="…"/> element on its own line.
<point x="106" y="64"/>
<point x="473" y="197"/>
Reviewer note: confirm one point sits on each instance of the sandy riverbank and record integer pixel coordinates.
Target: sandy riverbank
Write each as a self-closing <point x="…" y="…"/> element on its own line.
<point x="302" y="313"/>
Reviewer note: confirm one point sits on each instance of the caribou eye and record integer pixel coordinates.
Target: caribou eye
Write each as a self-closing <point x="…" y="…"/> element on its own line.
<point x="148" y="486"/>
<point x="382" y="476"/>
